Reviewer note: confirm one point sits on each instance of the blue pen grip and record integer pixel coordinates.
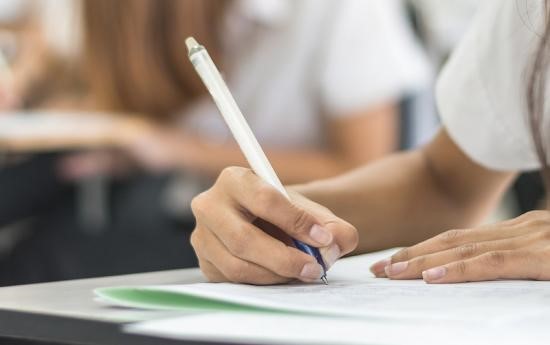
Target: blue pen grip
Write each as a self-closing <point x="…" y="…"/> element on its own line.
<point x="311" y="251"/>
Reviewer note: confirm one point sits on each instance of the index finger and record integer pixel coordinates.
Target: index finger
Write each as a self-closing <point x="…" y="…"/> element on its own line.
<point x="263" y="201"/>
<point x="454" y="238"/>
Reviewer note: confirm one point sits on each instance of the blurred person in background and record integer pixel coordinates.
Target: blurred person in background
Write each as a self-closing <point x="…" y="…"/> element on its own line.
<point x="319" y="81"/>
<point x="441" y="24"/>
<point x="39" y="43"/>
<point x="319" y="106"/>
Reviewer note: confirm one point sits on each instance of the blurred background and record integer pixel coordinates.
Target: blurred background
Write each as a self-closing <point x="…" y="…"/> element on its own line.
<point x="106" y="133"/>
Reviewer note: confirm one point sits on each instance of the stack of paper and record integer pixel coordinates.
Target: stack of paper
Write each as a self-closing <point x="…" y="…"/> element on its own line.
<point x="355" y="308"/>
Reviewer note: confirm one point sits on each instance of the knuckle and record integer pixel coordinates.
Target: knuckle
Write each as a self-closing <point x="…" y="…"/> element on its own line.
<point x="238" y="245"/>
<point x="239" y="272"/>
<point x="204" y="267"/>
<point x="537" y="214"/>
<point x="230" y="174"/>
<point x="210" y="276"/>
<point x="419" y="262"/>
<point x="451" y="236"/>
<point x="536" y="218"/>
<point x="353" y="238"/>
<point x="536" y="223"/>
<point x="198" y="204"/>
<point x="301" y="221"/>
<point x="194" y="240"/>
<point x="495" y="259"/>
<point x="537" y="260"/>
<point x="402" y="255"/>
<point x="544" y="235"/>
<point x="461" y="268"/>
<point x="266" y="196"/>
<point x="290" y="267"/>
<point x="466" y="251"/>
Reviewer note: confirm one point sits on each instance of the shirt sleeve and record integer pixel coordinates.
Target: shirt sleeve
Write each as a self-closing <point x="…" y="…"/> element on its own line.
<point x="370" y="56"/>
<point x="481" y="93"/>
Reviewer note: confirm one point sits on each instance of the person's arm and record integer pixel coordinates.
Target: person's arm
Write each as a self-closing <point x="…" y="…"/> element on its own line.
<point x="411" y="196"/>
<point x="397" y="201"/>
<point x="353" y="140"/>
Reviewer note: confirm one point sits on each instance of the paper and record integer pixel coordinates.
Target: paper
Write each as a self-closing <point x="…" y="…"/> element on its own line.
<point x="247" y="328"/>
<point x="354" y="309"/>
<point x="352" y="292"/>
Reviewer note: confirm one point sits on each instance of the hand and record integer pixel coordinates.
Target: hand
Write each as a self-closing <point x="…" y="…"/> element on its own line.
<point x="163" y="149"/>
<point x="244" y="229"/>
<point x="514" y="249"/>
<point x="9" y="96"/>
<point x="83" y="165"/>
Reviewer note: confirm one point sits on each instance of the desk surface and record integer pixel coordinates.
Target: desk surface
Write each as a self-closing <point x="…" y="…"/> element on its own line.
<point x="65" y="312"/>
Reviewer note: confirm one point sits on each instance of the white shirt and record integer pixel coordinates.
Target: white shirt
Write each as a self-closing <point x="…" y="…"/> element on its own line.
<point x="12" y="10"/>
<point x="482" y="91"/>
<point x="443" y="23"/>
<point x="62" y="25"/>
<point x="293" y="65"/>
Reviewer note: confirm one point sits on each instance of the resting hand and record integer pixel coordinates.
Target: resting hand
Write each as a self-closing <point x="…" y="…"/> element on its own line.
<point x="9" y="97"/>
<point x="244" y="229"/>
<point x="514" y="249"/>
<point x="78" y="166"/>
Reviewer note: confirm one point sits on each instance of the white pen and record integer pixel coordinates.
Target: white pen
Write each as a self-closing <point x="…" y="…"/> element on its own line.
<point x="242" y="133"/>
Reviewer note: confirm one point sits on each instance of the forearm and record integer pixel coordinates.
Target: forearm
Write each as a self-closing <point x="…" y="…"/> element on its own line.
<point x="400" y="201"/>
<point x="291" y="166"/>
<point x="352" y="140"/>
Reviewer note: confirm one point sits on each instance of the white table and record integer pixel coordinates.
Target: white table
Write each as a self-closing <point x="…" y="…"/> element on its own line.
<point x="66" y="313"/>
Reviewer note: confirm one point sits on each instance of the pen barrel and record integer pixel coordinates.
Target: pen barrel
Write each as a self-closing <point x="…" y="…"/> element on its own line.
<point x="311" y="251"/>
<point x="234" y="118"/>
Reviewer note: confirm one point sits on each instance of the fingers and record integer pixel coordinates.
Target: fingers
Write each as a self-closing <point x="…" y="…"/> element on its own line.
<point x="345" y="237"/>
<point x="9" y="97"/>
<point x="460" y="244"/>
<point x="264" y="201"/>
<point x="447" y="240"/>
<point x="528" y="223"/>
<point x="211" y="272"/>
<point x="231" y="234"/>
<point x="507" y="264"/>
<point x="244" y="230"/>
<point x="219" y="265"/>
<point x="414" y="267"/>
<point x="89" y="164"/>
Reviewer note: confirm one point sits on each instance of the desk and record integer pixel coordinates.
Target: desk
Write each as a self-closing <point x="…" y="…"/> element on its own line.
<point x="66" y="313"/>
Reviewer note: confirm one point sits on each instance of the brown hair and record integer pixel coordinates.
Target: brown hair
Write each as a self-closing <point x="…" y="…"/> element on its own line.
<point x="135" y="56"/>
<point x="536" y="101"/>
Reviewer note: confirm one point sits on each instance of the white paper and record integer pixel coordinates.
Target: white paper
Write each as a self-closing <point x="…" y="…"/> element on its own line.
<point x="357" y="308"/>
<point x="279" y="329"/>
<point x="354" y="292"/>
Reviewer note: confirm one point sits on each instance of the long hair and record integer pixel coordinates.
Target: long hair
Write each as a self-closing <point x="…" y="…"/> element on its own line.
<point x="536" y="101"/>
<point x="135" y="57"/>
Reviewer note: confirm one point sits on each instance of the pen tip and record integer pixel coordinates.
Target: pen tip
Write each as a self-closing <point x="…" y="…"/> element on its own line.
<point x="191" y="43"/>
<point x="324" y="279"/>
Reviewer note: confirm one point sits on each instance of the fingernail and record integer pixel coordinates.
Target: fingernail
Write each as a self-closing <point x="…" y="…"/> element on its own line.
<point x="320" y="235"/>
<point x="311" y="271"/>
<point x="434" y="274"/>
<point x="380" y="266"/>
<point x="396" y="268"/>
<point x="332" y="255"/>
